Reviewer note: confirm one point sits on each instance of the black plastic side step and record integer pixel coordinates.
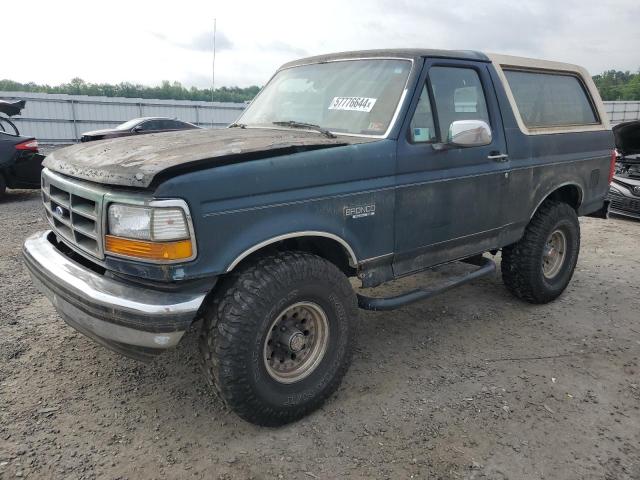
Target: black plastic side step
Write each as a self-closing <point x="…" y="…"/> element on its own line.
<point x="487" y="267"/>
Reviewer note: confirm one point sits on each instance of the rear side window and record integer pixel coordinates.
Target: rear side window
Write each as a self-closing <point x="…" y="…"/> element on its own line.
<point x="150" y="125"/>
<point x="168" y="125"/>
<point x="550" y="99"/>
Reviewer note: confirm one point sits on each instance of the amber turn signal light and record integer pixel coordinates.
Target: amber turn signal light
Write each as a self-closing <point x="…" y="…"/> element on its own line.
<point x="161" y="251"/>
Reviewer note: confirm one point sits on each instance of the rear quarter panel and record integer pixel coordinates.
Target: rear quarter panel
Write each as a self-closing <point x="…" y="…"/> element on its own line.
<point x="541" y="163"/>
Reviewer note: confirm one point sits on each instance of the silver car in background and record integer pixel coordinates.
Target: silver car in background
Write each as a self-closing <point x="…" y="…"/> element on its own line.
<point x="624" y="192"/>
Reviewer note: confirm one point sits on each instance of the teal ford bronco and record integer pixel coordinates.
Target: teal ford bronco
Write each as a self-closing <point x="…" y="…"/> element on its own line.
<point x="371" y="165"/>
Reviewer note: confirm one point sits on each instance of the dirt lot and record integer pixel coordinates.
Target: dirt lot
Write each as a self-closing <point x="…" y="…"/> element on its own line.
<point x="473" y="384"/>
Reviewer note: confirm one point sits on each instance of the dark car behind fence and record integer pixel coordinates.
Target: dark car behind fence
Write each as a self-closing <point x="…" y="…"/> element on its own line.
<point x="62" y="119"/>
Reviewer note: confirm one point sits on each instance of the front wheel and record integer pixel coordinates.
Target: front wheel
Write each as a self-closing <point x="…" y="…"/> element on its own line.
<point x="540" y="265"/>
<point x="278" y="337"/>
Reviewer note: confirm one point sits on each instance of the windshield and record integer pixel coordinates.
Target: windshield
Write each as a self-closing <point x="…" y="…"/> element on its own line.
<point x="129" y="124"/>
<point x="354" y="96"/>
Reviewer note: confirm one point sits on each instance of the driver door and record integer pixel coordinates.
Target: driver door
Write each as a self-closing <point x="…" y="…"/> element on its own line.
<point x="449" y="200"/>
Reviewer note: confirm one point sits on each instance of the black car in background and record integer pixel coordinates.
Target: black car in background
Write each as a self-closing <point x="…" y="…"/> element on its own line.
<point x="20" y="161"/>
<point x="624" y="192"/>
<point x="138" y="126"/>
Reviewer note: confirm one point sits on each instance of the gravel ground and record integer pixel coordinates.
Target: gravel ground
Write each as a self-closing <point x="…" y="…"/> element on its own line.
<point x="472" y="384"/>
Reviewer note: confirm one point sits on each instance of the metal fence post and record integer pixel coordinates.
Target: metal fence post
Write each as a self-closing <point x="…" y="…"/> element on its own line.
<point x="75" y="123"/>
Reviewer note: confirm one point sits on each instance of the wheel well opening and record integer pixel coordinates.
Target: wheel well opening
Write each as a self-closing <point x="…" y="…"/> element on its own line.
<point x="324" y="247"/>
<point x="569" y="194"/>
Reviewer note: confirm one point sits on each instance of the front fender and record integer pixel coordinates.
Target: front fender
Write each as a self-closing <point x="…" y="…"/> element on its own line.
<point x="240" y="233"/>
<point x="343" y="193"/>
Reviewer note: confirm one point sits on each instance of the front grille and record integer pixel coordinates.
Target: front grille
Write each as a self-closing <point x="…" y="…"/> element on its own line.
<point x="618" y="202"/>
<point x="628" y="186"/>
<point x="74" y="211"/>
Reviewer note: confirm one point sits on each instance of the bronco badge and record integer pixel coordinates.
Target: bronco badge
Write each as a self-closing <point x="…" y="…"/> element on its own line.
<point x="360" y="211"/>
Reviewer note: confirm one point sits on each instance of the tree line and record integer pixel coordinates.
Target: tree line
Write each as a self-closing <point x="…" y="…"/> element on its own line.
<point x="617" y="85"/>
<point x="612" y="84"/>
<point x="165" y="91"/>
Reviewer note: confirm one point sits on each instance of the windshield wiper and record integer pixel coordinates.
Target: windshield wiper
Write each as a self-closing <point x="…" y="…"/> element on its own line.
<point x="310" y="126"/>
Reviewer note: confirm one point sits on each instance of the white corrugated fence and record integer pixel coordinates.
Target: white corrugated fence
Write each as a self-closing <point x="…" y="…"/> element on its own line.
<point x="623" y="111"/>
<point x="61" y="118"/>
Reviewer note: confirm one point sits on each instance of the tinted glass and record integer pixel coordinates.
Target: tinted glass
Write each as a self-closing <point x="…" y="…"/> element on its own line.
<point x="150" y="125"/>
<point x="547" y="99"/>
<point x="168" y="125"/>
<point x="355" y="96"/>
<point x="458" y="95"/>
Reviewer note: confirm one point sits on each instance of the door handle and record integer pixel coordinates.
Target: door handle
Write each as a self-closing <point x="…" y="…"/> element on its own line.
<point x="498" y="157"/>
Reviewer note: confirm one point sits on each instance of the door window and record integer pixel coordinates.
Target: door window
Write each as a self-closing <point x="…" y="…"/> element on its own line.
<point x="168" y="125"/>
<point x="150" y="125"/>
<point x="458" y="95"/>
<point x="422" y="126"/>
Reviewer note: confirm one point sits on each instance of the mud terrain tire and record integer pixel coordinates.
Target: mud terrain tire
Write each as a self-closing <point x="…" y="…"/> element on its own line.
<point x="245" y="314"/>
<point x="526" y="270"/>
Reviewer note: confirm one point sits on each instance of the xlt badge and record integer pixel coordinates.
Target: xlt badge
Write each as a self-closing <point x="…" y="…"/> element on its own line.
<point x="360" y="211"/>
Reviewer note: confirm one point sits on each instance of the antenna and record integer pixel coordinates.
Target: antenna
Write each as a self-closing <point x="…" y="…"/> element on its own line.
<point x="213" y="69"/>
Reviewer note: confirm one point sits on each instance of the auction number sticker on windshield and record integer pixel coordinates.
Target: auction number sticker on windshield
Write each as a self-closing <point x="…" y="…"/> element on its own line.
<point x="357" y="104"/>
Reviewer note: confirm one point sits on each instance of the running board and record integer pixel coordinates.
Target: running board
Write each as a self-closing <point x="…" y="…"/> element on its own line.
<point x="487" y="267"/>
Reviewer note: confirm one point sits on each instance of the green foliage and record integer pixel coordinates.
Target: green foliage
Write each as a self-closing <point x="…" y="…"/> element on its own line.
<point x="165" y="91"/>
<point x="616" y="85"/>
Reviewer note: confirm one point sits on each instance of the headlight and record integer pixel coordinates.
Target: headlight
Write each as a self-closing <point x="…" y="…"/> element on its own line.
<point x="130" y="222"/>
<point x="148" y="223"/>
<point x="149" y="232"/>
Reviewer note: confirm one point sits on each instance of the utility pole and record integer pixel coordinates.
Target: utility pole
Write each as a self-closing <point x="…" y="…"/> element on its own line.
<point x="213" y="71"/>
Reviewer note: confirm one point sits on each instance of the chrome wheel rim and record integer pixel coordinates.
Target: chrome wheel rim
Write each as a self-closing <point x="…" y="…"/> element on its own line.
<point x="555" y="251"/>
<point x="296" y="342"/>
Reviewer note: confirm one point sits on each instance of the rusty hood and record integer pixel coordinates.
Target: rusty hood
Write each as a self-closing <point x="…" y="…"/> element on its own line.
<point x="135" y="161"/>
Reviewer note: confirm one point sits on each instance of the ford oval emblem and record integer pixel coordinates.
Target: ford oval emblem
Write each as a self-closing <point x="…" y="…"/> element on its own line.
<point x="59" y="211"/>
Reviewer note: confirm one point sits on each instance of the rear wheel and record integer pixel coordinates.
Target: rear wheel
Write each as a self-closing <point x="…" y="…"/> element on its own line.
<point x="540" y="265"/>
<point x="278" y="337"/>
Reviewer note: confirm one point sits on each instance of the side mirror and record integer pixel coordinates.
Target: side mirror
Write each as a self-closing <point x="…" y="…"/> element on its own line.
<point x="469" y="133"/>
<point x="137" y="128"/>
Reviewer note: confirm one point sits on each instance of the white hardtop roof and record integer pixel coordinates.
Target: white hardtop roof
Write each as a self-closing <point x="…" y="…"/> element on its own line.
<point x="506" y="62"/>
<point x="535" y="63"/>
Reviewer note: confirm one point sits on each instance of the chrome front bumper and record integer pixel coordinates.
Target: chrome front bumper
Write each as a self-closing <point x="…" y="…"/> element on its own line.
<point x="135" y="321"/>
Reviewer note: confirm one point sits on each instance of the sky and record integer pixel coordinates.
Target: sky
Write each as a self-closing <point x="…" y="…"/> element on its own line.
<point x="149" y="41"/>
